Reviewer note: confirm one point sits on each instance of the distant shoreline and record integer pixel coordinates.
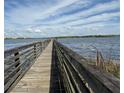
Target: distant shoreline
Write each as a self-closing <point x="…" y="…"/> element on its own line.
<point x="64" y="37"/>
<point x="87" y="36"/>
<point x="22" y="38"/>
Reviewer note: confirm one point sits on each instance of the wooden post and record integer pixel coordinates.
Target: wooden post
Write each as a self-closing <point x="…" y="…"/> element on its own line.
<point x="35" y="54"/>
<point x="17" y="59"/>
<point x="97" y="59"/>
<point x="41" y="46"/>
<point x="44" y="44"/>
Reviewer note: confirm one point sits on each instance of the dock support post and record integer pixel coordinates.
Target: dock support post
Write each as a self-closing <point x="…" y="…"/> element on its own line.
<point x="35" y="54"/>
<point x="41" y="46"/>
<point x="17" y="59"/>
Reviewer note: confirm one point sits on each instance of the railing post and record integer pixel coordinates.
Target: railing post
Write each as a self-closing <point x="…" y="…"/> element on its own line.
<point x="17" y="59"/>
<point x="44" y="44"/>
<point x="35" y="54"/>
<point x="41" y="46"/>
<point x="97" y="59"/>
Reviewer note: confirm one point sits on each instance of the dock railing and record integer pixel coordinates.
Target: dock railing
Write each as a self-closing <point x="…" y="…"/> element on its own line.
<point x="81" y="77"/>
<point x="18" y="60"/>
<point x="77" y="75"/>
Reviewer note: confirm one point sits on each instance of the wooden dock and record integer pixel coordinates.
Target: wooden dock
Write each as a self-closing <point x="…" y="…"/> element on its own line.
<point x="37" y="79"/>
<point x="51" y="67"/>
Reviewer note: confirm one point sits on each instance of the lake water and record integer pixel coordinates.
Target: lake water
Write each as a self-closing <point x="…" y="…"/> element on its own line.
<point x="108" y="46"/>
<point x="12" y="43"/>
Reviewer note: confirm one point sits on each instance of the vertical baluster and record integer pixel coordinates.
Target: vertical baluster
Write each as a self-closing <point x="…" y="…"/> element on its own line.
<point x="35" y="52"/>
<point x="45" y="44"/>
<point x="97" y="59"/>
<point x="17" y="59"/>
<point x="41" y="46"/>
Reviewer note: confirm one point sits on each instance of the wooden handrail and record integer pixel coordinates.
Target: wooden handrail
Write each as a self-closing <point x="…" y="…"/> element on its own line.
<point x="22" y="59"/>
<point x="95" y="80"/>
<point x="10" y="51"/>
<point x="78" y="76"/>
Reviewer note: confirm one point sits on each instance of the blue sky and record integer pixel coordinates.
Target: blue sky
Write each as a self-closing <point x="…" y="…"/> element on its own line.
<point x="47" y="18"/>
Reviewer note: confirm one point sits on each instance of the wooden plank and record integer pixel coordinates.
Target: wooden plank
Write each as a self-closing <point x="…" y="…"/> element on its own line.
<point x="37" y="79"/>
<point x="98" y="80"/>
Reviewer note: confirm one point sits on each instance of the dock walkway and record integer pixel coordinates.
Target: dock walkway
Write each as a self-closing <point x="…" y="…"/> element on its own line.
<point x="55" y="68"/>
<point x="37" y="78"/>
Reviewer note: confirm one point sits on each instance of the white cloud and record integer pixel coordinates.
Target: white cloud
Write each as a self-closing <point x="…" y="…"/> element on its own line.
<point x="26" y="19"/>
<point x="102" y="17"/>
<point x="93" y="10"/>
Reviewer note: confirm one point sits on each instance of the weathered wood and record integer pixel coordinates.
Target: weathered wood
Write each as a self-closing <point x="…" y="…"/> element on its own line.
<point x="37" y="79"/>
<point x="75" y="80"/>
<point x="12" y="80"/>
<point x="26" y="51"/>
<point x="17" y="60"/>
<point x="10" y="51"/>
<point x="77" y="75"/>
<point x="18" y="79"/>
<point x="35" y="53"/>
<point x="20" y="58"/>
<point x="98" y="80"/>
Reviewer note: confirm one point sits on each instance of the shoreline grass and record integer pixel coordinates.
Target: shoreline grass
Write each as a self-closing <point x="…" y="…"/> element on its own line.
<point x="108" y="65"/>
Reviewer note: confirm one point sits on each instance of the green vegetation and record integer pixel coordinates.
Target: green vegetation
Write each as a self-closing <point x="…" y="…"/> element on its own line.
<point x="59" y="37"/>
<point x="85" y="36"/>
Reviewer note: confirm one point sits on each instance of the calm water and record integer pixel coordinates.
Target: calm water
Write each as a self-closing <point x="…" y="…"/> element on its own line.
<point x="109" y="46"/>
<point x="8" y="44"/>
